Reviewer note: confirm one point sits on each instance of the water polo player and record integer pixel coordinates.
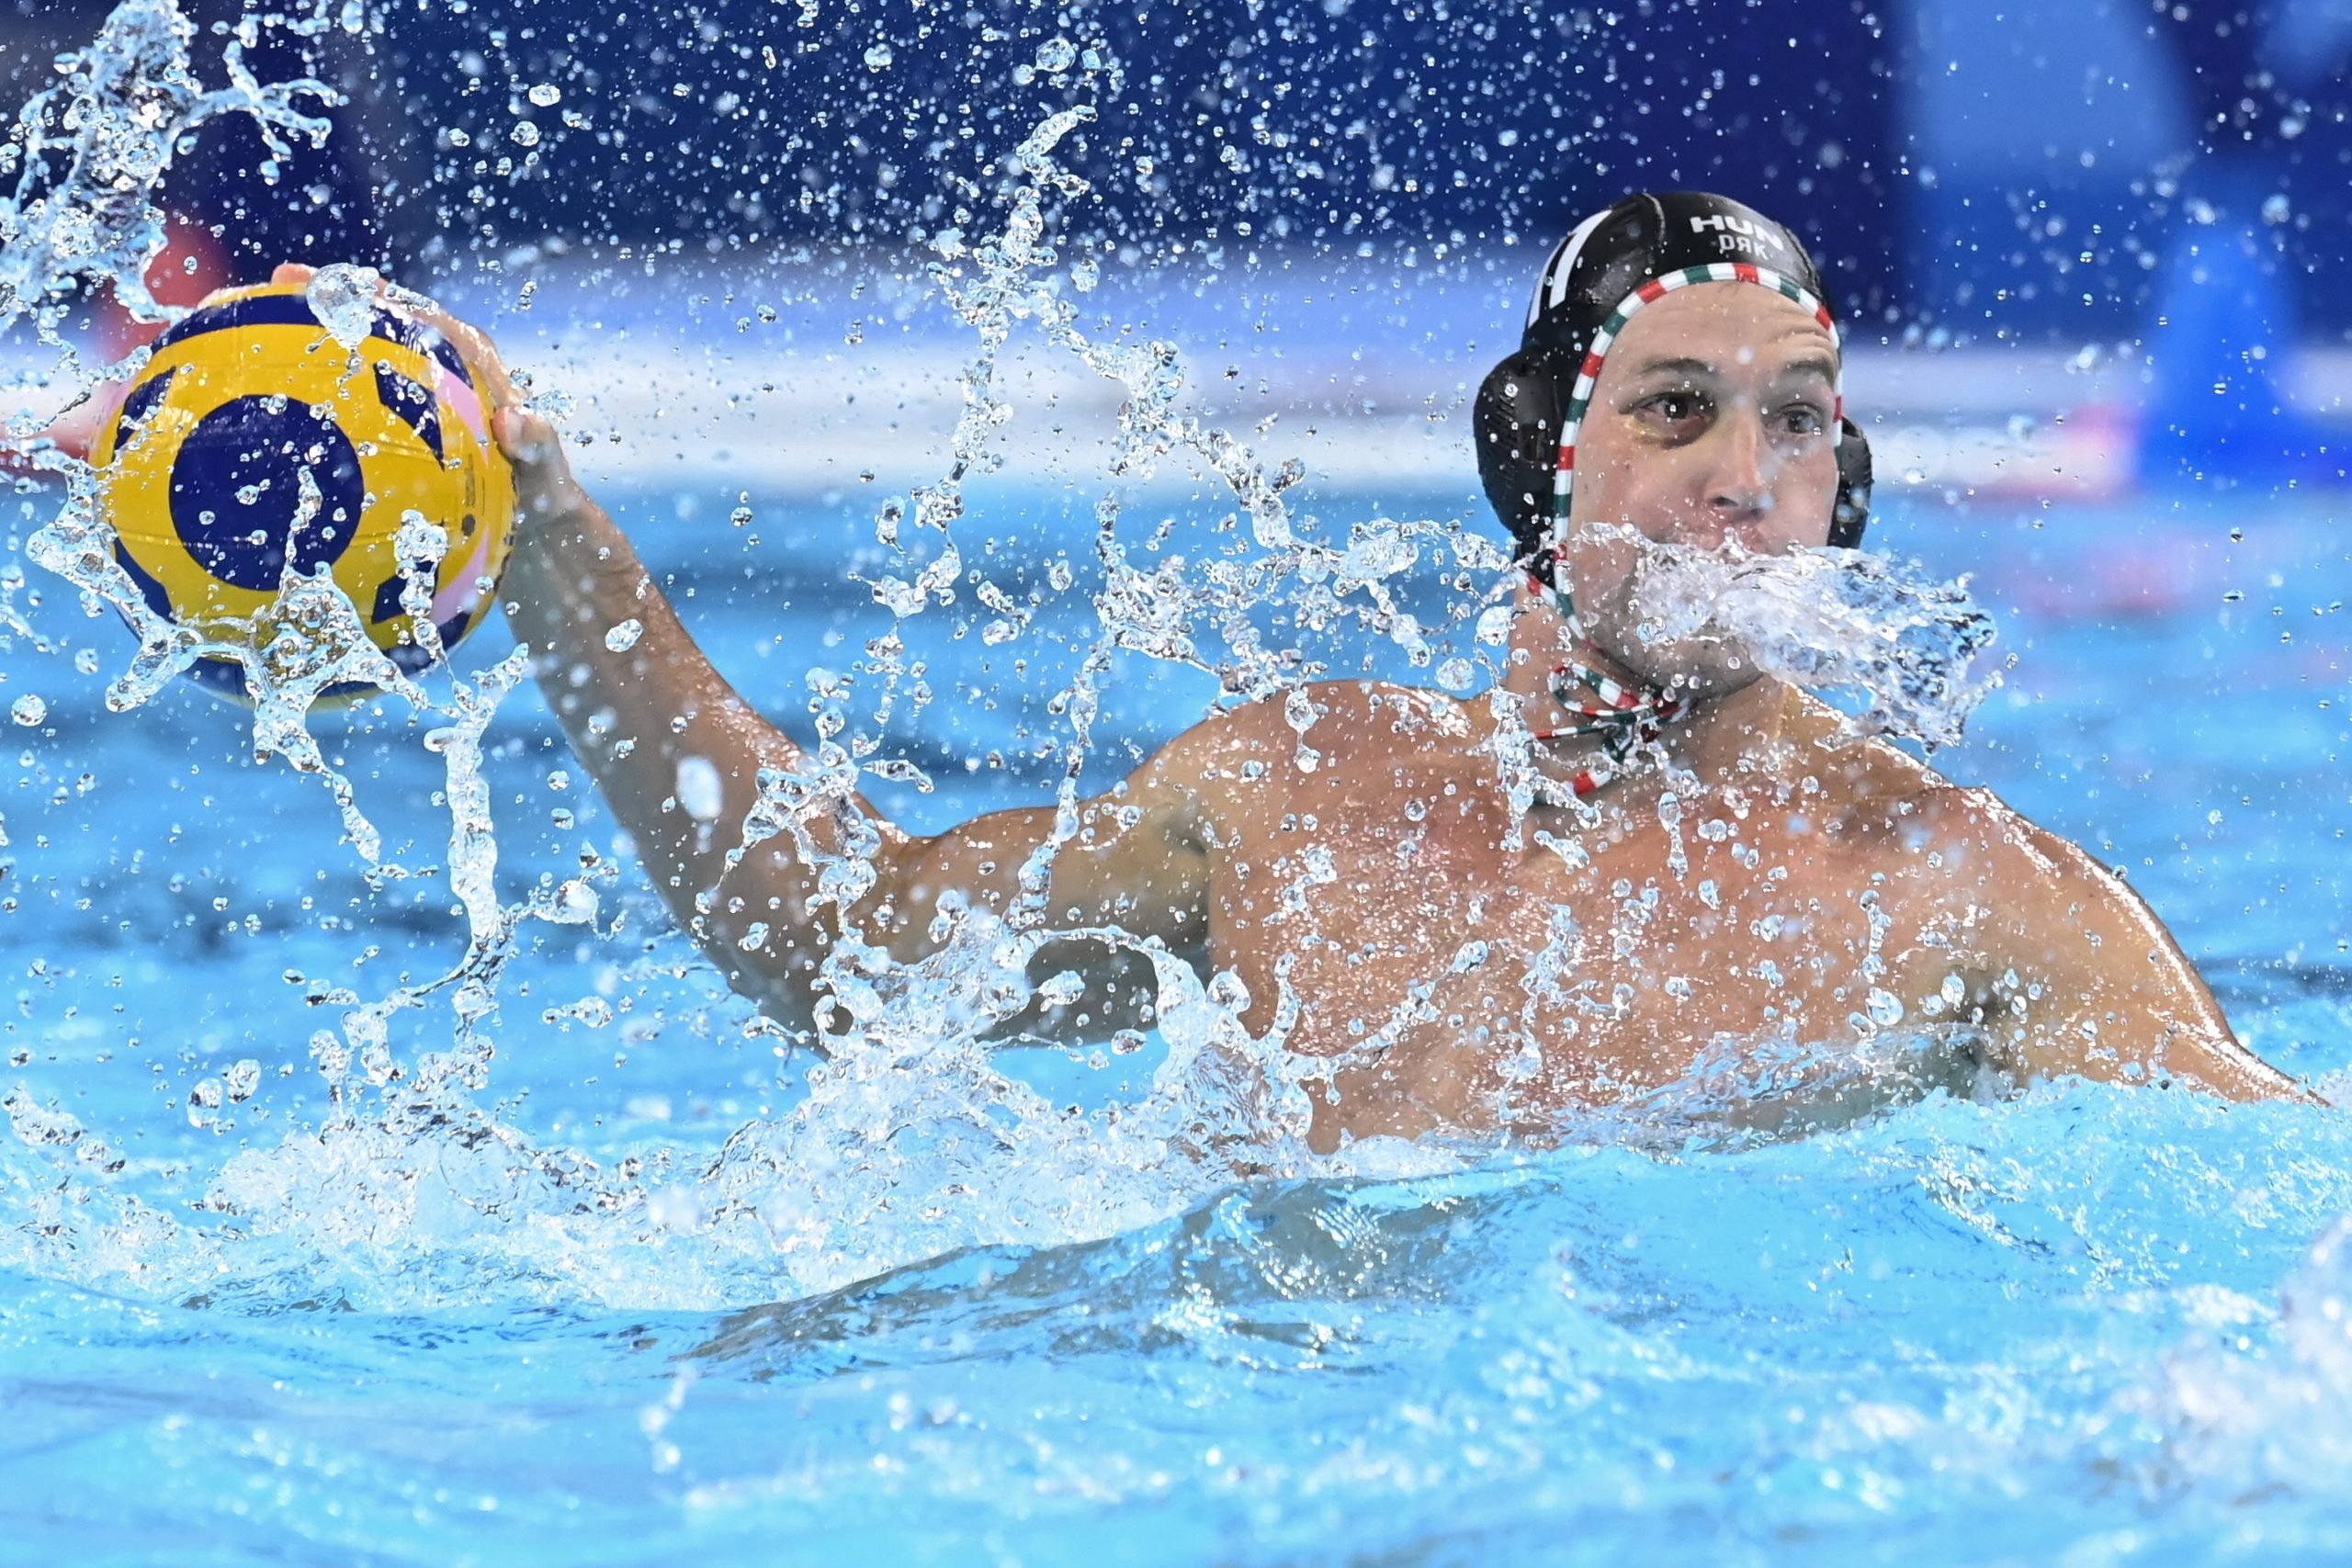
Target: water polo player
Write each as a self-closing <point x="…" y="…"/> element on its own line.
<point x="1471" y="961"/>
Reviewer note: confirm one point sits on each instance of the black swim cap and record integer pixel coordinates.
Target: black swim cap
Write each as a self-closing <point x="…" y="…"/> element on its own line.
<point x="1607" y="269"/>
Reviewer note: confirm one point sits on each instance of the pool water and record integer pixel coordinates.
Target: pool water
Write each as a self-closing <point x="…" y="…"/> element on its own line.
<point x="631" y="1298"/>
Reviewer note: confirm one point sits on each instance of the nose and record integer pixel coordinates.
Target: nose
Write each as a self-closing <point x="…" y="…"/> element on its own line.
<point x="1739" y="486"/>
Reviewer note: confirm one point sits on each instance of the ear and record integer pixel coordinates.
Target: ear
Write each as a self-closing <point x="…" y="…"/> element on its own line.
<point x="1516" y="422"/>
<point x="1852" y="513"/>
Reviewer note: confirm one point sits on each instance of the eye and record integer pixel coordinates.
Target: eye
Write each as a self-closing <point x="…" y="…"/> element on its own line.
<point x="1676" y="410"/>
<point x="1804" y="419"/>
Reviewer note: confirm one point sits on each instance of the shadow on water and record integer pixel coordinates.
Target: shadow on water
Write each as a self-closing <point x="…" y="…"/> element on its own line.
<point x="1268" y="1267"/>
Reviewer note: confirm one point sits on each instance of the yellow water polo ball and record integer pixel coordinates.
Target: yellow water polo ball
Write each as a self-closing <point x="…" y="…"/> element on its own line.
<point x="254" y="442"/>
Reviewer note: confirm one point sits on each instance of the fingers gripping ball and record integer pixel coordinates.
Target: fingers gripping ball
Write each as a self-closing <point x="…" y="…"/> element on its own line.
<point x="255" y="445"/>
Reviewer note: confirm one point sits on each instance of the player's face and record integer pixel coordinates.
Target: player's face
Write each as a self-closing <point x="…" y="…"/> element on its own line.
<point x="1714" y="421"/>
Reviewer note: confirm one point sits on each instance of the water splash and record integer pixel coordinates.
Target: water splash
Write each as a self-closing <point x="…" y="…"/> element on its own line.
<point x="343" y="297"/>
<point x="914" y="1135"/>
<point x="89" y="152"/>
<point x="994" y="284"/>
<point x="1832" y="620"/>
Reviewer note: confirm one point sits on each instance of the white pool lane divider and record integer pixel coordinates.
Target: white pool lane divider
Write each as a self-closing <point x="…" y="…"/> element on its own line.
<point x="653" y="413"/>
<point x="678" y="388"/>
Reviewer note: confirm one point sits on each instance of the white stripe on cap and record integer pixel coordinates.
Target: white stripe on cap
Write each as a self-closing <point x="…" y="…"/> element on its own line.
<point x="1552" y="286"/>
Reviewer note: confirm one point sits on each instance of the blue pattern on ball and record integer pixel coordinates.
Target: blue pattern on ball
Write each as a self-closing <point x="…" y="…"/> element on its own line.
<point x="141" y="403"/>
<point x="260" y="310"/>
<point x="262" y="442"/>
<point x="412" y="404"/>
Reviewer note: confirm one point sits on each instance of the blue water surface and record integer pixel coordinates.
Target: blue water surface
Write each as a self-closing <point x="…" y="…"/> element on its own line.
<point x="604" y="1310"/>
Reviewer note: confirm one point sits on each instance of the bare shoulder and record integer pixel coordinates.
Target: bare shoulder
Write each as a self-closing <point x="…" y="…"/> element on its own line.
<point x="1946" y="842"/>
<point x="1869" y="774"/>
<point x="1937" y="844"/>
<point x="1335" y="722"/>
<point x="1974" y="828"/>
<point x="1880" y="791"/>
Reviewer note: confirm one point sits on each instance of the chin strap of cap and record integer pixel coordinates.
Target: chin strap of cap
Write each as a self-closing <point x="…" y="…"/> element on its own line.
<point x="1623" y="716"/>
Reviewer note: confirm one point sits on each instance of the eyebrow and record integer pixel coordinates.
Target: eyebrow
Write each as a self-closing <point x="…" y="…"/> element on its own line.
<point x="1681" y="367"/>
<point x="1814" y="365"/>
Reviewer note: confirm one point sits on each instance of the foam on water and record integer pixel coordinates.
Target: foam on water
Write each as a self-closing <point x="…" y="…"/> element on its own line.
<point x="1912" y="1332"/>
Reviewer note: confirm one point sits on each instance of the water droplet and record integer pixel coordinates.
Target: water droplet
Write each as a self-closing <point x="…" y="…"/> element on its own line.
<point x="28" y="710"/>
<point x="547" y="94"/>
<point x="623" y="637"/>
<point x="878" y="58"/>
<point x="525" y="134"/>
<point x="702" y="793"/>
<point x="343" y="297"/>
<point x="243" y="1079"/>
<point x="1057" y="54"/>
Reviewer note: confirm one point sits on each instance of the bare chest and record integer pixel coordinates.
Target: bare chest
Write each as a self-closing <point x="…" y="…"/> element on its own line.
<point x="1443" y="962"/>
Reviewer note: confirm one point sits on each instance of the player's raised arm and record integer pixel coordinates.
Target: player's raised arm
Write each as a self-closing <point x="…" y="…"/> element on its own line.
<point x="2072" y="971"/>
<point x="678" y="754"/>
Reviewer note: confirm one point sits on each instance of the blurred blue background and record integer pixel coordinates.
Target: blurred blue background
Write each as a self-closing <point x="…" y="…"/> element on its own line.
<point x="2169" y="187"/>
<point x="1995" y="166"/>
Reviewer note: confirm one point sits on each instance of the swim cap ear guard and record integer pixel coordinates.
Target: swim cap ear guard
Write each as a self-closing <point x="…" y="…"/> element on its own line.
<point x="1610" y="265"/>
<point x="1851" y="513"/>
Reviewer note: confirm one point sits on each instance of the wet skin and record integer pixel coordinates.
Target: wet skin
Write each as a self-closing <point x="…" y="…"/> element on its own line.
<point x="1787" y="879"/>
